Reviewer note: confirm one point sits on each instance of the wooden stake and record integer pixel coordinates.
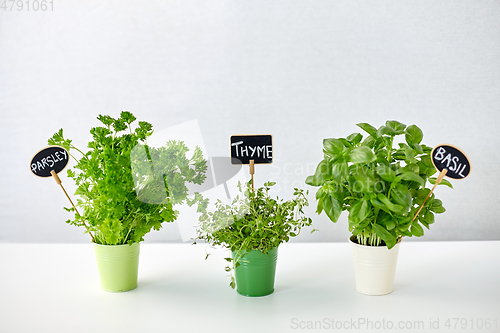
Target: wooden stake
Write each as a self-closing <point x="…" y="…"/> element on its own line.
<point x="252" y="171"/>
<point x="59" y="182"/>
<point x="438" y="180"/>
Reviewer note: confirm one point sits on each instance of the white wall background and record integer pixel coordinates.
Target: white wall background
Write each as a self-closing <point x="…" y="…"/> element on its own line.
<point x="302" y="70"/>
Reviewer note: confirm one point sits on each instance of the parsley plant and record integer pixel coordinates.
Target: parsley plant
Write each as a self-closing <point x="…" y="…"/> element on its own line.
<point x="111" y="197"/>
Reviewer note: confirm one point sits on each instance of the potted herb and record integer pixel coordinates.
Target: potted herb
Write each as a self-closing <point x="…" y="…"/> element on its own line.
<point x="125" y="190"/>
<point x="381" y="185"/>
<point x="253" y="227"/>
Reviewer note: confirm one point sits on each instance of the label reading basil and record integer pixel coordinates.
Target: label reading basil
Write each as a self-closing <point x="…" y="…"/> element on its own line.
<point x="47" y="159"/>
<point x="258" y="148"/>
<point x="452" y="159"/>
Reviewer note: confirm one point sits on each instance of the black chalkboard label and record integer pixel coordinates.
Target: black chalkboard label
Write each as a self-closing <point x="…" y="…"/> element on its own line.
<point x="452" y="159"/>
<point x="47" y="159"/>
<point x="258" y="148"/>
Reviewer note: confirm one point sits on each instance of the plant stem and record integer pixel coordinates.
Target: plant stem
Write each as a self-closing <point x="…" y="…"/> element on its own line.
<point x="389" y="150"/>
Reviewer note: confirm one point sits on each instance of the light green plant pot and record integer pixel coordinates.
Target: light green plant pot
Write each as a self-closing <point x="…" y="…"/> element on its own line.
<point x="256" y="272"/>
<point x="118" y="266"/>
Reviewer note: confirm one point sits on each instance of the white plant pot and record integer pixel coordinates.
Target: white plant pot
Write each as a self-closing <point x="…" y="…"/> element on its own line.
<point x="374" y="267"/>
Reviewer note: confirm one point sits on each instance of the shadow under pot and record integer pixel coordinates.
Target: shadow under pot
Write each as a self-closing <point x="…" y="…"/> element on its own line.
<point x="118" y="266"/>
<point x="256" y="272"/>
<point x="374" y="267"/>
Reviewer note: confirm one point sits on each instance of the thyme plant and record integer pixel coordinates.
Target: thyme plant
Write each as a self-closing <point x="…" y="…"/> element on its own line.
<point x="253" y="221"/>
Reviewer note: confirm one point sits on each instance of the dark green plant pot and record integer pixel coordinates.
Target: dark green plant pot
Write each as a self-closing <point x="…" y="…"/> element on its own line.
<point x="256" y="272"/>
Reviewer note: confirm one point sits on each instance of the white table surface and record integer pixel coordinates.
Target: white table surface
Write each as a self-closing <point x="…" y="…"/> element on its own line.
<point x="439" y="287"/>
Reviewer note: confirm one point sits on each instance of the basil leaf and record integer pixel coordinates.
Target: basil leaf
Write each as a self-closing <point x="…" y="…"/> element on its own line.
<point x="393" y="207"/>
<point x="386" y="130"/>
<point x="362" y="154"/>
<point x="386" y="220"/>
<point x="413" y="135"/>
<point x="368" y="129"/>
<point x="355" y="138"/>
<point x="370" y="142"/>
<point x="389" y="239"/>
<point x="359" y="211"/>
<point x="416" y="230"/>
<point x="402" y="196"/>
<point x="379" y="205"/>
<point x="386" y="173"/>
<point x="412" y="176"/>
<point x="340" y="171"/>
<point x="333" y="147"/>
<point x="396" y="125"/>
<point x="322" y="174"/>
<point x="443" y="182"/>
<point x="345" y="142"/>
<point x="332" y="208"/>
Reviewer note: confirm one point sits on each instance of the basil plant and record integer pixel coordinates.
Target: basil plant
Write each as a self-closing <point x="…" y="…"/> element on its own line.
<point x="380" y="180"/>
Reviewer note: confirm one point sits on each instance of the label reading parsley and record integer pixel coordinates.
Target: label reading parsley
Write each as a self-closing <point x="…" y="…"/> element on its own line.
<point x="452" y="159"/>
<point x="51" y="158"/>
<point x="258" y="148"/>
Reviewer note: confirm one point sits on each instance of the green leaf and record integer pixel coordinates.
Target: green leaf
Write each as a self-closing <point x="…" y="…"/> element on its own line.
<point x="443" y="182"/>
<point x="119" y="125"/>
<point x="386" y="173"/>
<point x="416" y="230"/>
<point x="359" y="211"/>
<point x="319" y="206"/>
<point x="409" y="153"/>
<point x="340" y="171"/>
<point x="413" y="167"/>
<point x="311" y="180"/>
<point x="368" y="129"/>
<point x="332" y="207"/>
<point x="321" y="175"/>
<point x="421" y="195"/>
<point x="413" y="135"/>
<point x="412" y="176"/>
<point x="111" y="230"/>
<point x="333" y="147"/>
<point x="364" y="179"/>
<point x="393" y="207"/>
<point x="105" y="119"/>
<point x="355" y="138"/>
<point x="402" y="196"/>
<point x="386" y="220"/>
<point x="320" y="193"/>
<point x="379" y="205"/>
<point x="386" y="130"/>
<point x="436" y="206"/>
<point x="426" y="161"/>
<point x="362" y="154"/>
<point x="389" y="239"/>
<point x="370" y="141"/>
<point x="418" y="148"/>
<point x="127" y="117"/>
<point x="396" y="125"/>
<point x="345" y="142"/>
<point x="427" y="218"/>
